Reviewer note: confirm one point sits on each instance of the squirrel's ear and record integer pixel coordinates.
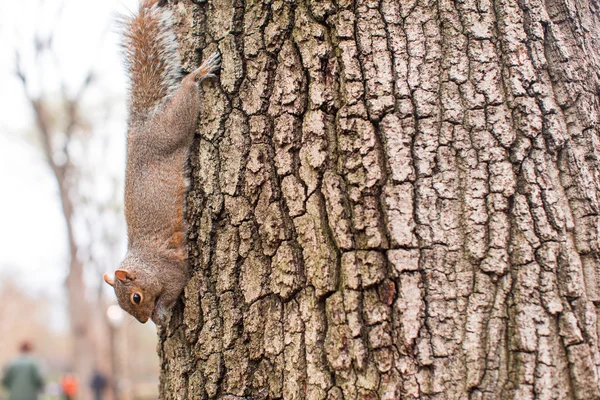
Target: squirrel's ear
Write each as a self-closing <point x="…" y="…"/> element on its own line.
<point x="123" y="275"/>
<point x="108" y="280"/>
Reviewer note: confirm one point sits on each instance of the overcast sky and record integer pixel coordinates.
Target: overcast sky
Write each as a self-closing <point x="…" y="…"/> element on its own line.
<point x="32" y="234"/>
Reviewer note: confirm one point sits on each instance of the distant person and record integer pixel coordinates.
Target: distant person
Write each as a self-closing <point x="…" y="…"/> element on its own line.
<point x="22" y="377"/>
<point x="69" y="386"/>
<point x="98" y="384"/>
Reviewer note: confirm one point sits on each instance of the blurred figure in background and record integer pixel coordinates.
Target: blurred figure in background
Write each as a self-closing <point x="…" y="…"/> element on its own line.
<point x="98" y="384"/>
<point x="22" y="377"/>
<point x="69" y="386"/>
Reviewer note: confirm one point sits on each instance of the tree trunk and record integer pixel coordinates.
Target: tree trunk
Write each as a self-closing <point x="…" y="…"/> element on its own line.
<point x="80" y="315"/>
<point x="84" y="354"/>
<point x="392" y="199"/>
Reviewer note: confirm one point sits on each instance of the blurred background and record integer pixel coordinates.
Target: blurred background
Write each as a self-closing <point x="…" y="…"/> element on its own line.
<point x="62" y="151"/>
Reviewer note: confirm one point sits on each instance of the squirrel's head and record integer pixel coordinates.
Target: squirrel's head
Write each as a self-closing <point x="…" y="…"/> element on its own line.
<point x="137" y="291"/>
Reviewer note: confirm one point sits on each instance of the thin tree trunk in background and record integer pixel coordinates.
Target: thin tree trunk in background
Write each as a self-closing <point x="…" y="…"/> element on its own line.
<point x="55" y="142"/>
<point x="80" y="316"/>
<point x="79" y="310"/>
<point x="392" y="199"/>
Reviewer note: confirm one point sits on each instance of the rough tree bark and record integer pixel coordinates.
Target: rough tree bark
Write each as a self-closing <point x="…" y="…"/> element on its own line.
<point x="392" y="199"/>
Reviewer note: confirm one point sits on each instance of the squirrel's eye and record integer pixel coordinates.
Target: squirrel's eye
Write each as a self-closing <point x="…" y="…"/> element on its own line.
<point x="136" y="298"/>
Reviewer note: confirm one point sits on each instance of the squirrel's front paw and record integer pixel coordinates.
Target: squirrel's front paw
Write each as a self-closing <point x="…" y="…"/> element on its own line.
<point x="159" y="316"/>
<point x="208" y="68"/>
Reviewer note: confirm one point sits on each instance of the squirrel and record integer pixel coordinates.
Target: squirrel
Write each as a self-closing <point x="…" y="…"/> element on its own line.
<point x="163" y="114"/>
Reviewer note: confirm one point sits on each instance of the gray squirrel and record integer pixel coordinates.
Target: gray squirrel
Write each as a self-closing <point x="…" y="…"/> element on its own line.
<point x="163" y="114"/>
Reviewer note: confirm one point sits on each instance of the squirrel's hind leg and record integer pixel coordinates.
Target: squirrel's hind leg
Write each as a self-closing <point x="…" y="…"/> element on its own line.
<point x="176" y="121"/>
<point x="207" y="70"/>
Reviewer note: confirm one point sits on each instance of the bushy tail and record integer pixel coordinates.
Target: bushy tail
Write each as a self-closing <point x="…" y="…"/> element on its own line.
<point x="152" y="59"/>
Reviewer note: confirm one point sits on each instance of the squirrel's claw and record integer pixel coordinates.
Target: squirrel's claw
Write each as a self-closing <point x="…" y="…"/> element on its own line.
<point x="207" y="76"/>
<point x="208" y="68"/>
